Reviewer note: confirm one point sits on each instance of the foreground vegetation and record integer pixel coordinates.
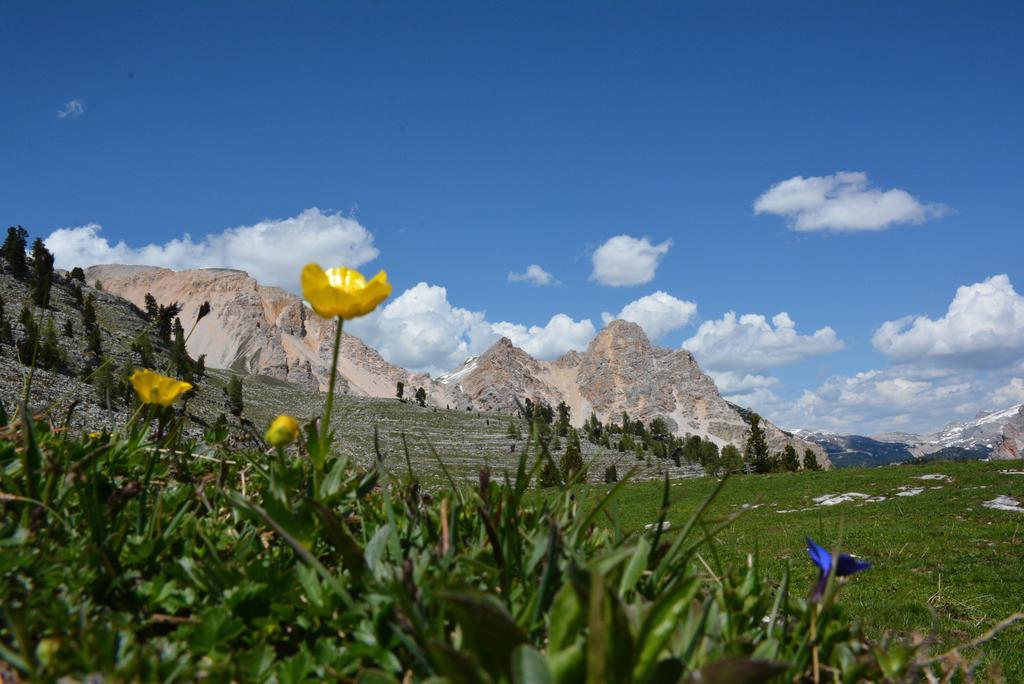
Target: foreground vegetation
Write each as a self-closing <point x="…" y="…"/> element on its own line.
<point x="143" y="556"/>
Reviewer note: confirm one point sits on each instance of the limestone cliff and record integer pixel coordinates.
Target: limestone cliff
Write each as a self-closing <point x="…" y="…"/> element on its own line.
<point x="619" y="372"/>
<point x="263" y="330"/>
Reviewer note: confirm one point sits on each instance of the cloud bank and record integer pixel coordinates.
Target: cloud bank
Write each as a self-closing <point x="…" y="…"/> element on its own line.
<point x="257" y="249"/>
<point x="842" y="202"/>
<point x="751" y="343"/>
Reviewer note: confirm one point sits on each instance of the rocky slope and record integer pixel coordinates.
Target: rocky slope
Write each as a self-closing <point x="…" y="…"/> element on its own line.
<point x="1011" y="444"/>
<point x="260" y="330"/>
<point x="267" y="331"/>
<point x="619" y="372"/>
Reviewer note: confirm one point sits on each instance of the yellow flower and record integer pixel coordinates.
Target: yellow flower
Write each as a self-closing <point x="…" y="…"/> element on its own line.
<point x="154" y="388"/>
<point x="341" y="291"/>
<point x="95" y="435"/>
<point x="283" y="431"/>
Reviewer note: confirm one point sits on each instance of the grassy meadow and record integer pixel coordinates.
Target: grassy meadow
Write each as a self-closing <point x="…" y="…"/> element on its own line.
<point x="944" y="564"/>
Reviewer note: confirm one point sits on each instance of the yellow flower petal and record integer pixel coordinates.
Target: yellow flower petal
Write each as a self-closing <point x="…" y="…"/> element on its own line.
<point x="343" y="292"/>
<point x="153" y="388"/>
<point x="283" y="431"/>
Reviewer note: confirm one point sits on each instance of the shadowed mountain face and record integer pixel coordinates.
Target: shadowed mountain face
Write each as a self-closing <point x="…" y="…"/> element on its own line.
<point x="268" y="331"/>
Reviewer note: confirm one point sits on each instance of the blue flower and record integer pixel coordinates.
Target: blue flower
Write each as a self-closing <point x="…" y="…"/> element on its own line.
<point x="846" y="565"/>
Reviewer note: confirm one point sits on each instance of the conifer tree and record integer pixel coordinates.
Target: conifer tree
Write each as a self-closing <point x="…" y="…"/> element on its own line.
<point x="810" y="460"/>
<point x="571" y="465"/>
<point x="756" y="453"/>
<point x="513" y="431"/>
<point x="144" y="348"/>
<point x="400" y="390"/>
<point x="731" y="459"/>
<point x="42" y="273"/>
<point x="13" y="251"/>
<point x="234" y="391"/>
<point x="151" y="308"/>
<point x="611" y="474"/>
<point x="28" y="347"/>
<point x="180" y="360"/>
<point x="103" y="383"/>
<point x="77" y="274"/>
<point x="50" y="356"/>
<point x="563" y="419"/>
<point x="790" y="462"/>
<point x="421" y="397"/>
<point x="69" y="329"/>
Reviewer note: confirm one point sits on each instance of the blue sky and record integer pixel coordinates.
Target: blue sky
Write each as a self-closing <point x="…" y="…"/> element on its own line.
<point x="456" y="144"/>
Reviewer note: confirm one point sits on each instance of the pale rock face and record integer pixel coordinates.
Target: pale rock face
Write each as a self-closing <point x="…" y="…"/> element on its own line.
<point x="1011" y="446"/>
<point x="263" y="330"/>
<point x="619" y="372"/>
<point x="266" y="330"/>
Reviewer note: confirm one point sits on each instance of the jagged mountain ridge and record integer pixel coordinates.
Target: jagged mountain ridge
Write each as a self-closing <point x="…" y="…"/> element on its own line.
<point x="997" y="435"/>
<point x="268" y="331"/>
<point x="262" y="330"/>
<point x="620" y="371"/>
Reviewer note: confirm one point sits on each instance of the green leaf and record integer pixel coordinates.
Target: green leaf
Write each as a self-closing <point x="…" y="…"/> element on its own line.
<point x="661" y="621"/>
<point x="567" y="619"/>
<point x="217" y="628"/>
<point x="339" y="536"/>
<point x="488" y="631"/>
<point x="635" y="568"/>
<point x="529" y="667"/>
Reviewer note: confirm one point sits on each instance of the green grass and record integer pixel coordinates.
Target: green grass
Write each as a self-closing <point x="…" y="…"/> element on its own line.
<point x="938" y="556"/>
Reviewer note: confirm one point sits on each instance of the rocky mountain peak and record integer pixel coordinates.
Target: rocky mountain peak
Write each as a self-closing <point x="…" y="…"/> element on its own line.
<point x="256" y="329"/>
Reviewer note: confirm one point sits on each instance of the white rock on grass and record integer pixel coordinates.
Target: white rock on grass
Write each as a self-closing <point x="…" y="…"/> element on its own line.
<point x="1004" y="503"/>
<point x="909" y="491"/>
<point x="934" y="476"/>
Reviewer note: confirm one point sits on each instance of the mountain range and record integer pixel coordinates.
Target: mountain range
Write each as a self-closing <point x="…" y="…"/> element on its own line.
<point x="994" y="435"/>
<point x="268" y="331"/>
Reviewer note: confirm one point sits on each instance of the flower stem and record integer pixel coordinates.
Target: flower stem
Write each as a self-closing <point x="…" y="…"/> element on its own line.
<point x="324" y="426"/>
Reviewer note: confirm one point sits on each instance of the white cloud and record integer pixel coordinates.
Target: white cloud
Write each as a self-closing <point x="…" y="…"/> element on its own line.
<point x="421" y="330"/>
<point x="657" y="313"/>
<point x="535" y="275"/>
<point x="72" y="109"/>
<point x="983" y="328"/>
<point x="272" y="251"/>
<point x="625" y="260"/>
<point x="1008" y="395"/>
<point x="561" y="334"/>
<point x="751" y="343"/>
<point x="842" y="202"/>
<point x="733" y="383"/>
<point x="887" y="400"/>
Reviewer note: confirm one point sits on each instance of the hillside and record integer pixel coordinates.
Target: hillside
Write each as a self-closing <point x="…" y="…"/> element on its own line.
<point x="267" y="331"/>
<point x="465" y="440"/>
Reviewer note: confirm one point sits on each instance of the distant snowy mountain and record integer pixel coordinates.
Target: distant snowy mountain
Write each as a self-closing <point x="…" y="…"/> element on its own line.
<point x="978" y="438"/>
